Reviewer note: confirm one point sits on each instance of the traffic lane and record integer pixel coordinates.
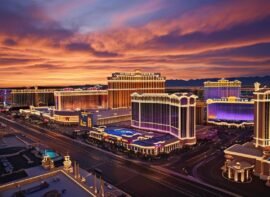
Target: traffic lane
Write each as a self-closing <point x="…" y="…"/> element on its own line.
<point x="139" y="184"/>
<point x="211" y="173"/>
<point x="148" y="188"/>
<point x="190" y="187"/>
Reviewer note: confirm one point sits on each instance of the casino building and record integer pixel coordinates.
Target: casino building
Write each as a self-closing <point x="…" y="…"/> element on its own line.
<point x="230" y="111"/>
<point x="122" y="85"/>
<point x="32" y="97"/>
<point x="101" y="117"/>
<point x="168" y="113"/>
<point x="252" y="157"/>
<point x="221" y="89"/>
<point x="80" y="99"/>
<point x="140" y="142"/>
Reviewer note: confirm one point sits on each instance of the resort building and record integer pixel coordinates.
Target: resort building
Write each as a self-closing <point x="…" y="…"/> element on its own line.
<point x="101" y="117"/>
<point x="230" y="111"/>
<point x="174" y="114"/>
<point x="50" y="114"/>
<point x="252" y="157"/>
<point x="79" y="99"/>
<point x="34" y="97"/>
<point x="122" y="85"/>
<point x="66" y="117"/>
<point x="139" y="141"/>
<point x="221" y="89"/>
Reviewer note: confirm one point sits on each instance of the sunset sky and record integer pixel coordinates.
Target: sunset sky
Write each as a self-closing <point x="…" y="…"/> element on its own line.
<point x="64" y="42"/>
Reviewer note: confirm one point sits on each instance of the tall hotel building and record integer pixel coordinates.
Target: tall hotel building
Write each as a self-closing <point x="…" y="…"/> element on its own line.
<point x="122" y="85"/>
<point x="80" y="99"/>
<point x="262" y="117"/>
<point x="169" y="113"/>
<point x="230" y="111"/>
<point x="221" y="88"/>
<point x="32" y="97"/>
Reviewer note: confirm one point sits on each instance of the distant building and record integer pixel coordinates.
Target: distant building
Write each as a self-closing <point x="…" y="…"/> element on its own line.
<point x="32" y="97"/>
<point x="5" y="97"/>
<point x="252" y="157"/>
<point x="80" y="99"/>
<point x="101" y="117"/>
<point x="169" y="113"/>
<point x="221" y="88"/>
<point x="122" y="85"/>
<point x="66" y="117"/>
<point x="230" y="111"/>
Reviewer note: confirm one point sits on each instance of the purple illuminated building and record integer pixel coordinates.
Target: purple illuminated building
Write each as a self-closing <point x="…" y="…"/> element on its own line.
<point x="168" y="113"/>
<point x="230" y="111"/>
<point x="5" y="96"/>
<point x="221" y="89"/>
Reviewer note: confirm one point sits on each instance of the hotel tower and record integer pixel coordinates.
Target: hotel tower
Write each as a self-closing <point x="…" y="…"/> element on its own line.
<point x="168" y="113"/>
<point x="221" y="89"/>
<point x="262" y="117"/>
<point x="122" y="85"/>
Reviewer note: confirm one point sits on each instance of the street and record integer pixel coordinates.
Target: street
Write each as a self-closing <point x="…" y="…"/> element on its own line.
<point x="134" y="178"/>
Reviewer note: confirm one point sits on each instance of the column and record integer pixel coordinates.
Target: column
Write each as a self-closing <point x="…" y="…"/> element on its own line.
<point x="139" y="102"/>
<point x="95" y="183"/>
<point x="229" y="173"/>
<point x="235" y="175"/>
<point x="243" y="176"/>
<point x="78" y="171"/>
<point x="75" y="170"/>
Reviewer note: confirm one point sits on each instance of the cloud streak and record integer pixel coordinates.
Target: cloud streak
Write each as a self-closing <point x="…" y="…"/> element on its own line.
<point x="212" y="39"/>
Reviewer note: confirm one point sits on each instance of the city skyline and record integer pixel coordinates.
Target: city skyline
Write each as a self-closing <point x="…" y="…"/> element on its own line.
<point x="82" y="42"/>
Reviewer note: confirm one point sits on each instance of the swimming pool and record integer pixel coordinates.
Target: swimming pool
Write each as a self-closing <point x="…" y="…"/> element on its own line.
<point x="120" y="131"/>
<point x="50" y="153"/>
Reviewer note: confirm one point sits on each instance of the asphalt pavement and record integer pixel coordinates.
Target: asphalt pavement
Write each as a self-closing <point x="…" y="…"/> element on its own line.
<point x="133" y="178"/>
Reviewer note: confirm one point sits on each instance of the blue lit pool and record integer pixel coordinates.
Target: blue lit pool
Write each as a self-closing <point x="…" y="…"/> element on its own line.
<point x="120" y="131"/>
<point x="50" y="153"/>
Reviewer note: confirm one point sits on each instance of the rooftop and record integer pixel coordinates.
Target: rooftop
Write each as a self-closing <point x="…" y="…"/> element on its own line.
<point x="120" y="131"/>
<point x="106" y="113"/>
<point x="165" y="139"/>
<point x="246" y="149"/>
<point x="54" y="182"/>
<point x="263" y="90"/>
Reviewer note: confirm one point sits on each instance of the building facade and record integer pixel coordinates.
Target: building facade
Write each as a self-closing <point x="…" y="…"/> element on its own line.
<point x="139" y="142"/>
<point x="32" y="97"/>
<point x="262" y="118"/>
<point x="122" y="85"/>
<point x="230" y="111"/>
<point x="169" y="113"/>
<point x="101" y="117"/>
<point x="221" y="89"/>
<point x="200" y="112"/>
<point x="5" y="97"/>
<point x="80" y="99"/>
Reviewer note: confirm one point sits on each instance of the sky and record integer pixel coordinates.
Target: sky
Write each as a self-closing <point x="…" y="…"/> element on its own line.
<point x="70" y="42"/>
